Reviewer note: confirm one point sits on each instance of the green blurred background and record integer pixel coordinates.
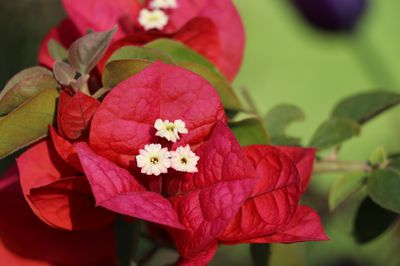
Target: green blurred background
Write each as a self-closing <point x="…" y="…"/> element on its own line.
<point x="286" y="61"/>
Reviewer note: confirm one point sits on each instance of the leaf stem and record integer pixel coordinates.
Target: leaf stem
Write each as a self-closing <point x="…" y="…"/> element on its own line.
<point x="336" y="166"/>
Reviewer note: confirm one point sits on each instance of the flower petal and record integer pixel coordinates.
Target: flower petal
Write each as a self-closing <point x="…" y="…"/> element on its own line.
<point x="75" y="113"/>
<point x="274" y="199"/>
<point x="200" y="259"/>
<point x="116" y="189"/>
<point x="304" y="159"/>
<point x="213" y="196"/>
<point x="26" y="241"/>
<point x="124" y="122"/>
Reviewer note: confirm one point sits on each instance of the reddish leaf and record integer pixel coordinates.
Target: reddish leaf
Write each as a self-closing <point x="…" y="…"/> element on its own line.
<point x="65" y="33"/>
<point x="27" y="241"/>
<point x="124" y="122"/>
<point x="101" y="15"/>
<point x="227" y="20"/>
<point x="55" y="197"/>
<point x="116" y="189"/>
<point x="304" y="159"/>
<point x="66" y="150"/>
<point x="75" y="113"/>
<point x="213" y="196"/>
<point x="274" y="199"/>
<point x="305" y="226"/>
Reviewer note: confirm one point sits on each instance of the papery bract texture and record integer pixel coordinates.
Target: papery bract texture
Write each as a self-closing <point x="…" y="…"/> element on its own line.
<point x="213" y="196"/>
<point x="124" y="123"/>
<point x="56" y="192"/>
<point x="27" y="241"/>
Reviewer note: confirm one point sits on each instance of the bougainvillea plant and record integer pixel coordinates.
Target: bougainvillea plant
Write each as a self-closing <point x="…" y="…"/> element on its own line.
<point x="132" y="140"/>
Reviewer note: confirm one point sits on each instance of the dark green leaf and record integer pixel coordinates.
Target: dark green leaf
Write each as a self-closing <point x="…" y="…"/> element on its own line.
<point x="139" y="52"/>
<point x="228" y="96"/>
<point x="280" y="117"/>
<point x="344" y="187"/>
<point x="365" y="106"/>
<point x="260" y="254"/>
<point x="180" y="52"/>
<point x="64" y="73"/>
<point x="283" y="140"/>
<point x="28" y="123"/>
<point x="333" y="132"/>
<point x="384" y="188"/>
<point x="86" y="52"/>
<point x="23" y="86"/>
<point x="249" y="131"/>
<point x="57" y="51"/>
<point x="371" y="221"/>
<point x="117" y="71"/>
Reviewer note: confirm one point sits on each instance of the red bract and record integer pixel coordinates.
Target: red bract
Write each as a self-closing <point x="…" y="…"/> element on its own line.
<point x="59" y="195"/>
<point x="272" y="213"/>
<point x="238" y="195"/>
<point x="194" y="23"/>
<point x="26" y="241"/>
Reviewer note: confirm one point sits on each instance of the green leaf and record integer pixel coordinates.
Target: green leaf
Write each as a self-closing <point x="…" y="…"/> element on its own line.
<point x="260" y="254"/>
<point x="64" y="73"/>
<point x="86" y="52"/>
<point x="28" y="123"/>
<point x="384" y="189"/>
<point x="344" y="187"/>
<point x="280" y="117"/>
<point x="180" y="52"/>
<point x="371" y="221"/>
<point x="140" y="52"/>
<point x="57" y="51"/>
<point x="228" y="96"/>
<point x="283" y="140"/>
<point x="365" y="106"/>
<point x="333" y="132"/>
<point x="23" y="86"/>
<point x="378" y="157"/>
<point x="117" y="71"/>
<point x="250" y="131"/>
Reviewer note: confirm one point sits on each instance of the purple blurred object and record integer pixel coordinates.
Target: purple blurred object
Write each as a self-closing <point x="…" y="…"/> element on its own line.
<point x="332" y="15"/>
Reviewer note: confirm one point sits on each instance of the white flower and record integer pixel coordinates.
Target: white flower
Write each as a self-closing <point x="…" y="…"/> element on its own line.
<point x="153" y="159"/>
<point x="160" y="4"/>
<point x="153" y="19"/>
<point x="184" y="160"/>
<point x="170" y="130"/>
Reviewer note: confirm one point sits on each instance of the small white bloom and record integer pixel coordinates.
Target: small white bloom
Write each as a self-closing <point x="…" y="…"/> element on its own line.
<point x="153" y="159"/>
<point x="153" y="19"/>
<point x="160" y="4"/>
<point x="170" y="130"/>
<point x="184" y="160"/>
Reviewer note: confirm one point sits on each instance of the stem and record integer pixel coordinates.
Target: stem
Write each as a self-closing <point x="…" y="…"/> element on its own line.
<point x="330" y="166"/>
<point x="260" y="254"/>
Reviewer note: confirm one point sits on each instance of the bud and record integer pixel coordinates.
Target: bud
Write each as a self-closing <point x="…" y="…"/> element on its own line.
<point x="332" y="15"/>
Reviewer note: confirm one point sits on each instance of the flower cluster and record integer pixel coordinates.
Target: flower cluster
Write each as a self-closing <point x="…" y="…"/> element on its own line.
<point x="155" y="160"/>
